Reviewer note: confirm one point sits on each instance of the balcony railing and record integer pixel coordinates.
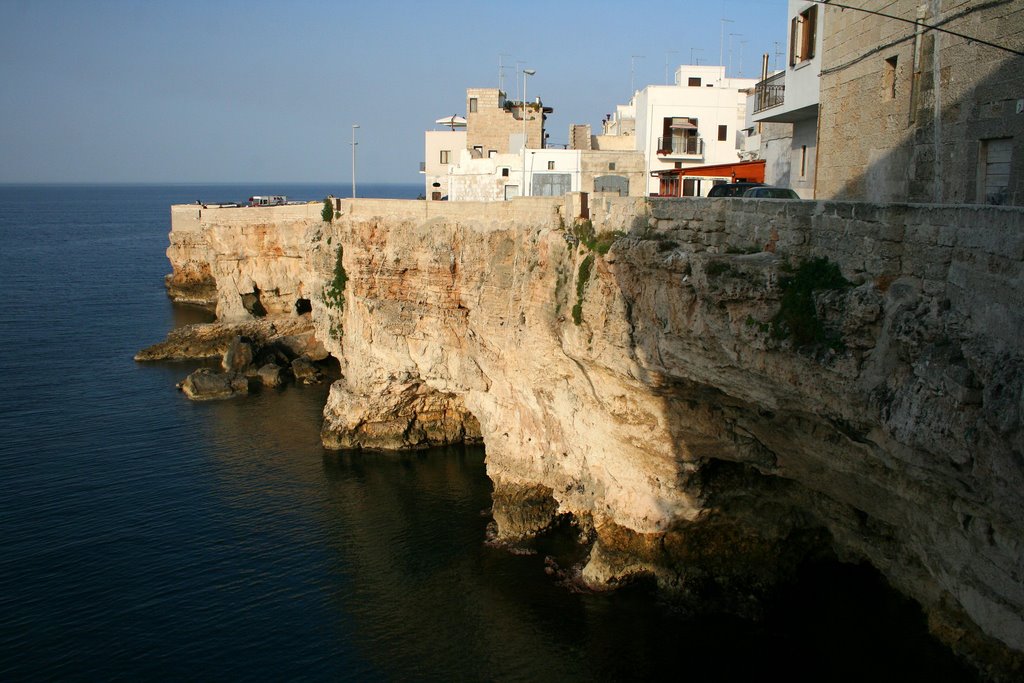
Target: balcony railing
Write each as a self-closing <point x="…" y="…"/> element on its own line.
<point x="690" y="146"/>
<point x="423" y="167"/>
<point x="771" y="92"/>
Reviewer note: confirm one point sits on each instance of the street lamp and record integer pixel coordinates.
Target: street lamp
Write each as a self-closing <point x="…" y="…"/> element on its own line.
<point x="526" y="74"/>
<point x="354" y="143"/>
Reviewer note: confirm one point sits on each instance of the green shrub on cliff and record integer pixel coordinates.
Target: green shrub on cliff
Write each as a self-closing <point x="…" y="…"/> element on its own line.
<point x="328" y="213"/>
<point x="797" y="318"/>
<point x="334" y="295"/>
<point x="586" y="266"/>
<point x="601" y="243"/>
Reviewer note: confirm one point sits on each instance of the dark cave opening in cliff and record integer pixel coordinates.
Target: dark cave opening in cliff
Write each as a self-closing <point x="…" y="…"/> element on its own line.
<point x="303" y="306"/>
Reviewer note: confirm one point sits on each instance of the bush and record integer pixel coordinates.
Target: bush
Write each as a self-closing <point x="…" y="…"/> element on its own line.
<point x="581" y="284"/>
<point x="328" y="213"/>
<point x="797" y="318"/>
<point x="335" y="294"/>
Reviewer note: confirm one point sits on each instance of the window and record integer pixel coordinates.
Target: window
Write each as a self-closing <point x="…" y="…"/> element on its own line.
<point x="445" y="155"/>
<point x="693" y="82"/>
<point x="611" y="165"/>
<point x="472" y="105"/>
<point x="889" y="80"/>
<point x="551" y="166"/>
<point x="723" y="133"/>
<point x="994" y="170"/>
<point x="491" y="153"/>
<point x="802" y="35"/>
<point x="803" y="161"/>
<point x="504" y="172"/>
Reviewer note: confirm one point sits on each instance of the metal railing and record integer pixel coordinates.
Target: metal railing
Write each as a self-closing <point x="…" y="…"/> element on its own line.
<point x="692" y="146"/>
<point x="423" y="167"/>
<point x="771" y="92"/>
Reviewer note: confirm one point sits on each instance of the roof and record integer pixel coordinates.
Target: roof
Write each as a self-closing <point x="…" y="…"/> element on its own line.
<point x="752" y="171"/>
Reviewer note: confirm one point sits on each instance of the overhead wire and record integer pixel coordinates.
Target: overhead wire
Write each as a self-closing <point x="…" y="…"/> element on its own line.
<point x="917" y="22"/>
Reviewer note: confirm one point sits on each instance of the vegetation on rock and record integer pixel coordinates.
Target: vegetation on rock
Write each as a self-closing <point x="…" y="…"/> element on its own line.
<point x="328" y="212"/>
<point x="797" y="318"/>
<point x="581" y="284"/>
<point x="334" y="295"/>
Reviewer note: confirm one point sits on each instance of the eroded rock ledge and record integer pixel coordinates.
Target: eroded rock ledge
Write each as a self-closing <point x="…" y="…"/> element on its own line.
<point x="654" y="394"/>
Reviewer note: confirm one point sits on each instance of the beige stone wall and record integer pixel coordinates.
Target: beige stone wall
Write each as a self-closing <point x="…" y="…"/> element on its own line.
<point x="671" y="407"/>
<point x="490" y="126"/>
<point x="906" y="134"/>
<point x="629" y="164"/>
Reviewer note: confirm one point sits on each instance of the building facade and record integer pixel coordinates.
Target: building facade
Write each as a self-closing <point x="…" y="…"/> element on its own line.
<point x="909" y="113"/>
<point x="785" y="104"/>
<point x="696" y="122"/>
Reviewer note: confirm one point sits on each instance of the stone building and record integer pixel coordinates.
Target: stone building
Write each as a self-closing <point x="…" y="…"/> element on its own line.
<point x="909" y="113"/>
<point x="485" y="161"/>
<point x="495" y="125"/>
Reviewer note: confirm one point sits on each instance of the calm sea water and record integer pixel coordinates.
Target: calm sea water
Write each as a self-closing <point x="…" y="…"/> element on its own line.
<point x="146" y="536"/>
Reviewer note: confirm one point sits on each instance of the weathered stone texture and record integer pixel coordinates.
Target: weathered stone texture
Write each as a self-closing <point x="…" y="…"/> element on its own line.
<point x="696" y="445"/>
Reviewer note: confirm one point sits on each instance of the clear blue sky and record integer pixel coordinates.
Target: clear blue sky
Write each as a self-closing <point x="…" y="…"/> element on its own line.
<point x="225" y="91"/>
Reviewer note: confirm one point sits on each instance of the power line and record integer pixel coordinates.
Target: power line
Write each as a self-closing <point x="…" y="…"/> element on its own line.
<point x="931" y="27"/>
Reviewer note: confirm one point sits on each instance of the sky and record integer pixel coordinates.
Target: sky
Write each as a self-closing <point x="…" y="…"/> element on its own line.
<point x="219" y="91"/>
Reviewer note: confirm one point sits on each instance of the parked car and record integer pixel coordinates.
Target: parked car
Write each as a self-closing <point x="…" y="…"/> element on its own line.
<point x="732" y="189"/>
<point x="769" y="192"/>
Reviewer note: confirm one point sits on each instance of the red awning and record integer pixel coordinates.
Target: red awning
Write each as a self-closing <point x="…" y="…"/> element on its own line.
<point x="740" y="171"/>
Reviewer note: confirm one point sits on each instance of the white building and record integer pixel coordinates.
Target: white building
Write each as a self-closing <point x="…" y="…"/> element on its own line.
<point x="791" y="97"/>
<point x="442" y="150"/>
<point x="698" y="121"/>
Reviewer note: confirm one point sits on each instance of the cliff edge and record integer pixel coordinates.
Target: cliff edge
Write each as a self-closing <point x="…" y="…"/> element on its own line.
<point x="713" y="390"/>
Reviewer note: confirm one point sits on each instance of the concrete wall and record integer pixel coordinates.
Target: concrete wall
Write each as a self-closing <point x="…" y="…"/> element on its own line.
<point x="482" y="179"/>
<point x="917" y="134"/>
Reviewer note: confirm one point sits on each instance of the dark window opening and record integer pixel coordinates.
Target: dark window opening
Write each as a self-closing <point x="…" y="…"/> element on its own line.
<point x="693" y="82"/>
<point x="723" y="133"/>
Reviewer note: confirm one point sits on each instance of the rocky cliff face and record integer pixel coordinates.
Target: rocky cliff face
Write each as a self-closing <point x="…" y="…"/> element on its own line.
<point x="707" y="400"/>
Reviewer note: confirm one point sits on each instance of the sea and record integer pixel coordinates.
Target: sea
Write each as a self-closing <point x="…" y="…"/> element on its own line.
<point x="147" y="537"/>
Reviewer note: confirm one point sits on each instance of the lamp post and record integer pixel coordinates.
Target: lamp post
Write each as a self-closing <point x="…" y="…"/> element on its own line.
<point x="526" y="73"/>
<point x="354" y="143"/>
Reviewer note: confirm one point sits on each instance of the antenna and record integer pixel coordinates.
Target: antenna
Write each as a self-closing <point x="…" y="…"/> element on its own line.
<point x="518" y="63"/>
<point x="695" y="60"/>
<point x="501" y="71"/>
<point x="721" y="42"/>
<point x="778" y="53"/>
<point x="730" y="50"/>
<point x="742" y="43"/>
<point x="670" y="52"/>
<point x="632" y="73"/>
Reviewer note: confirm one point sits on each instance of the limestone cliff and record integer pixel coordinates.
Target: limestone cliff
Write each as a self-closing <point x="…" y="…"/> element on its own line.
<point x="656" y="394"/>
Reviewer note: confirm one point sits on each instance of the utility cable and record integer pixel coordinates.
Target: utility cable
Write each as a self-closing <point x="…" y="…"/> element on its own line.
<point x="931" y="27"/>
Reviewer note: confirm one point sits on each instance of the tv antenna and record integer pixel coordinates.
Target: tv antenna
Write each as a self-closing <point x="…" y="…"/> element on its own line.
<point x="632" y="73"/>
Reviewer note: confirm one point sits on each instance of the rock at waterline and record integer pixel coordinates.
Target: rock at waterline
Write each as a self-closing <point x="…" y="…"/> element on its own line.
<point x="271" y="375"/>
<point x="205" y="384"/>
<point x="305" y="371"/>
<point x="238" y="356"/>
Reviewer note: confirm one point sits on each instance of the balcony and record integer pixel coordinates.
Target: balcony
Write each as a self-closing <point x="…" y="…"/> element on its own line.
<point x="771" y="92"/>
<point x="423" y="167"/>
<point x="687" y="147"/>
